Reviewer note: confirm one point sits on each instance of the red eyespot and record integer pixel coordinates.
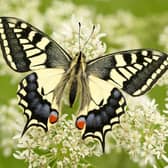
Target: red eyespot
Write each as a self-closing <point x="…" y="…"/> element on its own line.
<point x="80" y="122"/>
<point x="53" y="117"/>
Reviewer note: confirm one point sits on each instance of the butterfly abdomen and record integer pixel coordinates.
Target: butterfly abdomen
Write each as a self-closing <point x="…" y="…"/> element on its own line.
<point x="76" y="77"/>
<point x="73" y="92"/>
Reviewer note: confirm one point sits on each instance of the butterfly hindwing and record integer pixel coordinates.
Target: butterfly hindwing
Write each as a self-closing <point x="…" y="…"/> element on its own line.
<point x="26" y="48"/>
<point x="36" y="97"/>
<point x="135" y="71"/>
<point x="106" y="106"/>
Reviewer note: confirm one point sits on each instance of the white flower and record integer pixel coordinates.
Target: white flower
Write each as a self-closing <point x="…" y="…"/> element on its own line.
<point x="20" y="9"/>
<point x="143" y="132"/>
<point x="61" y="146"/>
<point x="10" y="121"/>
<point x="166" y="104"/>
<point x="163" y="40"/>
<point x="163" y="80"/>
<point x="68" y="37"/>
<point x="56" y="13"/>
<point x="120" y="28"/>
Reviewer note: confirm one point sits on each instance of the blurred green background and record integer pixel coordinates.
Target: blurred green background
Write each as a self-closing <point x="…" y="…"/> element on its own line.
<point x="153" y="12"/>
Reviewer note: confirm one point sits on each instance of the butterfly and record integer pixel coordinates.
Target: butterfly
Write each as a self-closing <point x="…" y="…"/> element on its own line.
<point x="57" y="76"/>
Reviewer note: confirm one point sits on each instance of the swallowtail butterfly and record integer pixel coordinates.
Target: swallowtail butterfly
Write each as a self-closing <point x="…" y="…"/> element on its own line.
<point x="56" y="74"/>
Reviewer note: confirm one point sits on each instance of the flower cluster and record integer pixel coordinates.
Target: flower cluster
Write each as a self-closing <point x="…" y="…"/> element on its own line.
<point x="143" y="132"/>
<point x="60" y="147"/>
<point x="11" y="121"/>
<point x="20" y="9"/>
<point x="166" y="104"/>
<point x="47" y="20"/>
<point x="120" y="28"/>
<point x="163" y="40"/>
<point x="69" y="36"/>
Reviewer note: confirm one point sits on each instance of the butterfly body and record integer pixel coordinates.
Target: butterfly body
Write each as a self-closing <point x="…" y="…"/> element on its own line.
<point x="77" y="75"/>
<point x="57" y="77"/>
<point x="73" y="84"/>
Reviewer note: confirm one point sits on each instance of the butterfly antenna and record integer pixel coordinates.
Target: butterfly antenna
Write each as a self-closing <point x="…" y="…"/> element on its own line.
<point x="91" y="34"/>
<point x="79" y="34"/>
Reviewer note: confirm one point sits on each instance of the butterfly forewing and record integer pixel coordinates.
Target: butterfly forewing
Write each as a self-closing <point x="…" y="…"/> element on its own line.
<point x="26" y="48"/>
<point x="135" y="71"/>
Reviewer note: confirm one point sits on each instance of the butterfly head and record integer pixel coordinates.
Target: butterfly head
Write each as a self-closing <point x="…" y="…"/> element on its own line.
<point x="79" y="59"/>
<point x="80" y="55"/>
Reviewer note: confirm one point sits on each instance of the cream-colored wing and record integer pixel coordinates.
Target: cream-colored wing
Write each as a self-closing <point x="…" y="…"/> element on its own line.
<point x="35" y="94"/>
<point x="134" y="71"/>
<point x="106" y="106"/>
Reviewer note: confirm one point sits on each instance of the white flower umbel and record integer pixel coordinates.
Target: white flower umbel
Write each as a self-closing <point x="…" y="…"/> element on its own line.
<point x="60" y="147"/>
<point x="143" y="132"/>
<point x="45" y="20"/>
<point x="48" y="20"/>
<point x="166" y="104"/>
<point x="165" y="111"/>
<point x="163" y="80"/>
<point x="163" y="40"/>
<point x="68" y="37"/>
<point x="56" y="13"/>
<point x="120" y="28"/>
<point x="20" y="9"/>
<point x="11" y="121"/>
